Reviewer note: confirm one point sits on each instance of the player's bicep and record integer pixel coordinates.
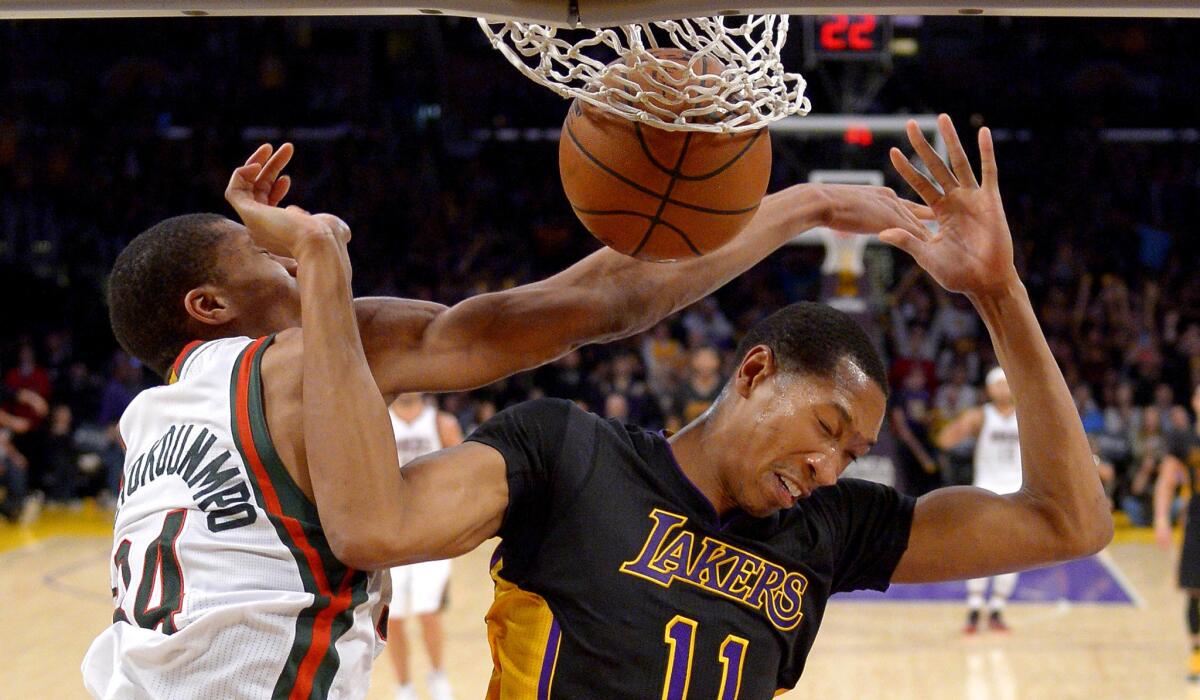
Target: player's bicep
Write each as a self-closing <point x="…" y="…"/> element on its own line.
<point x="454" y="500"/>
<point x="966" y="532"/>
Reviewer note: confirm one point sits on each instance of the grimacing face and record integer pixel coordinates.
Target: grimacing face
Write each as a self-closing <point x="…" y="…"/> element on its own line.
<point x="800" y="433"/>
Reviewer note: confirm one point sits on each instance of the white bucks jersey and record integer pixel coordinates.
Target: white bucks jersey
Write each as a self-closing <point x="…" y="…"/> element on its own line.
<point x="998" y="453"/>
<point x="224" y="585"/>
<point x="417" y="438"/>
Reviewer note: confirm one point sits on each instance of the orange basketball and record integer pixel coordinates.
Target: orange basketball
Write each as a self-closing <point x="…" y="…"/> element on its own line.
<point x="655" y="194"/>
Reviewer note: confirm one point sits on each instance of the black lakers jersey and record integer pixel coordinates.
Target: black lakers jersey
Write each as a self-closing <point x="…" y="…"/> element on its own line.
<point x="615" y="578"/>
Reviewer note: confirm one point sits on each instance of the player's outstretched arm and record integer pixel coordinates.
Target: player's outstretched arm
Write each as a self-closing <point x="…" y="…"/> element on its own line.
<point x="1061" y="511"/>
<point x="418" y="346"/>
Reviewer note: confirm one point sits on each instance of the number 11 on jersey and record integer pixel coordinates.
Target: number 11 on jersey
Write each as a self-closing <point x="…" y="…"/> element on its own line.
<point x="680" y="636"/>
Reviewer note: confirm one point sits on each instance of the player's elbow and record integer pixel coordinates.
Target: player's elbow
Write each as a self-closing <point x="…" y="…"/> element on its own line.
<point x="1083" y="531"/>
<point x="1099" y="533"/>
<point x="361" y="549"/>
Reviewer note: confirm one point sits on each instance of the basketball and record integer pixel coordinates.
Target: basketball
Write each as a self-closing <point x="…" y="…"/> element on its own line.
<point x="655" y="194"/>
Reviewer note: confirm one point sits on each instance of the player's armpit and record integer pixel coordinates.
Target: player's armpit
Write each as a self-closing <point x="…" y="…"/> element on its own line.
<point x="966" y="532"/>
<point x="451" y="501"/>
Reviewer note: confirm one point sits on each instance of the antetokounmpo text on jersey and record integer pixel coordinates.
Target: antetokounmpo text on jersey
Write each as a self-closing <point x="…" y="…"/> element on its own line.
<point x="220" y="492"/>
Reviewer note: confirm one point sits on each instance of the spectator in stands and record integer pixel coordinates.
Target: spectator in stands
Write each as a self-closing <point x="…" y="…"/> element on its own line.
<point x="915" y="353"/>
<point x="955" y="396"/>
<point x="27" y="376"/>
<point x="1089" y="412"/>
<point x="664" y="358"/>
<point x="124" y="383"/>
<point x="18" y="505"/>
<point x="641" y="406"/>
<point x="1149" y="448"/>
<point x="28" y="386"/>
<point x="912" y="420"/>
<point x="700" y="390"/>
<point x="706" y="325"/>
<point x="62" y="457"/>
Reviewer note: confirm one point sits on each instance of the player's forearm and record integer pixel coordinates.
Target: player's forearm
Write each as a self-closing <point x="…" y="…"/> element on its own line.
<point x="1060" y="479"/>
<point x="634" y="295"/>
<point x="347" y="434"/>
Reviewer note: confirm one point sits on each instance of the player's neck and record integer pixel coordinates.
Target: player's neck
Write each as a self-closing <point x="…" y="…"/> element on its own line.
<point x="694" y="447"/>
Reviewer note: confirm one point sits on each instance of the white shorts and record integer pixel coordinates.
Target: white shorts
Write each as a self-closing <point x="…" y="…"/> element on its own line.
<point x="418" y="589"/>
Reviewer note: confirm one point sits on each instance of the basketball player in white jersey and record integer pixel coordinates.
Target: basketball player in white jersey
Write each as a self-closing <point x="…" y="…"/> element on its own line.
<point x="225" y="584"/>
<point x="418" y="590"/>
<point x="997" y="469"/>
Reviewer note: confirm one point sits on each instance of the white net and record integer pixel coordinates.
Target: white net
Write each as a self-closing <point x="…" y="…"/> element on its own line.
<point x="731" y="78"/>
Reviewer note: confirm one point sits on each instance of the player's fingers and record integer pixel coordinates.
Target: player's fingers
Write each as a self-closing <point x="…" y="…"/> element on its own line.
<point x="279" y="190"/>
<point x="299" y="210"/>
<point x="958" y="156"/>
<point x="922" y="211"/>
<point x="914" y="225"/>
<point x="277" y="163"/>
<point x="242" y="178"/>
<point x="903" y="240"/>
<point x="917" y="180"/>
<point x="937" y="166"/>
<point x="260" y="155"/>
<point x="987" y="158"/>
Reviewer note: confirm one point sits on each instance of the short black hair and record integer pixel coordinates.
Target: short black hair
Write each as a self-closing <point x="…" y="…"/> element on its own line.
<point x="150" y="279"/>
<point x="810" y="338"/>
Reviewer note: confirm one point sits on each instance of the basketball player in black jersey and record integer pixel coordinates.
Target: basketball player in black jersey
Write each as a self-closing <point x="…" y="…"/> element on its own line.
<point x="636" y="564"/>
<point x="1181" y="466"/>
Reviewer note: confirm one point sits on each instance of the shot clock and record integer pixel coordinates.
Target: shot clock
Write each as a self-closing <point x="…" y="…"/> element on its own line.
<point x="847" y="37"/>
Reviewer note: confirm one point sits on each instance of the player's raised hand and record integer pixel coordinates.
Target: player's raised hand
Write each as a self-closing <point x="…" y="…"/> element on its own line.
<point x="265" y="184"/>
<point x="972" y="251"/>
<point x="256" y="188"/>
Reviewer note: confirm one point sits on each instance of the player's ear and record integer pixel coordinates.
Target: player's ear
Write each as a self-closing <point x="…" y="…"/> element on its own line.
<point x="756" y="367"/>
<point x="208" y="305"/>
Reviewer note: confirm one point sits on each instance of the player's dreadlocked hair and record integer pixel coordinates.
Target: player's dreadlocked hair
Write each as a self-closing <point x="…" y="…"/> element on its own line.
<point x="150" y="279"/>
<point x="810" y="338"/>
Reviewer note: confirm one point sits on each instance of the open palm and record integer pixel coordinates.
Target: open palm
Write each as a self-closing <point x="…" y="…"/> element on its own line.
<point x="972" y="251"/>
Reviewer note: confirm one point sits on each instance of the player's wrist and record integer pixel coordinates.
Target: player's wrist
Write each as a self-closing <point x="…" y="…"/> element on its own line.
<point x="317" y="243"/>
<point x="803" y="207"/>
<point x="1002" y="293"/>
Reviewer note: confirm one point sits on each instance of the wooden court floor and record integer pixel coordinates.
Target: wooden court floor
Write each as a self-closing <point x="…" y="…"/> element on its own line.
<point x="54" y="598"/>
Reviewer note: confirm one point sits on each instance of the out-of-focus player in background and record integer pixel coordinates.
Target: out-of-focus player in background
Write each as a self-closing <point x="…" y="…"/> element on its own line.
<point x="1181" y="466"/>
<point x="997" y="469"/>
<point x="419" y="590"/>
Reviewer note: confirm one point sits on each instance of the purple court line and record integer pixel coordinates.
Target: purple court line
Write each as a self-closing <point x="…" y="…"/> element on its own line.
<point x="1087" y="580"/>
<point x="51" y="580"/>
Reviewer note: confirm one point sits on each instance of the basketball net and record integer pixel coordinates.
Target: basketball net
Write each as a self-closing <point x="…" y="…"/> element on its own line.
<point x="752" y="91"/>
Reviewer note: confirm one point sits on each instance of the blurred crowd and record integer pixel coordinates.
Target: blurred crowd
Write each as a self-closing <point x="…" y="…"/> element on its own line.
<point x="406" y="127"/>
